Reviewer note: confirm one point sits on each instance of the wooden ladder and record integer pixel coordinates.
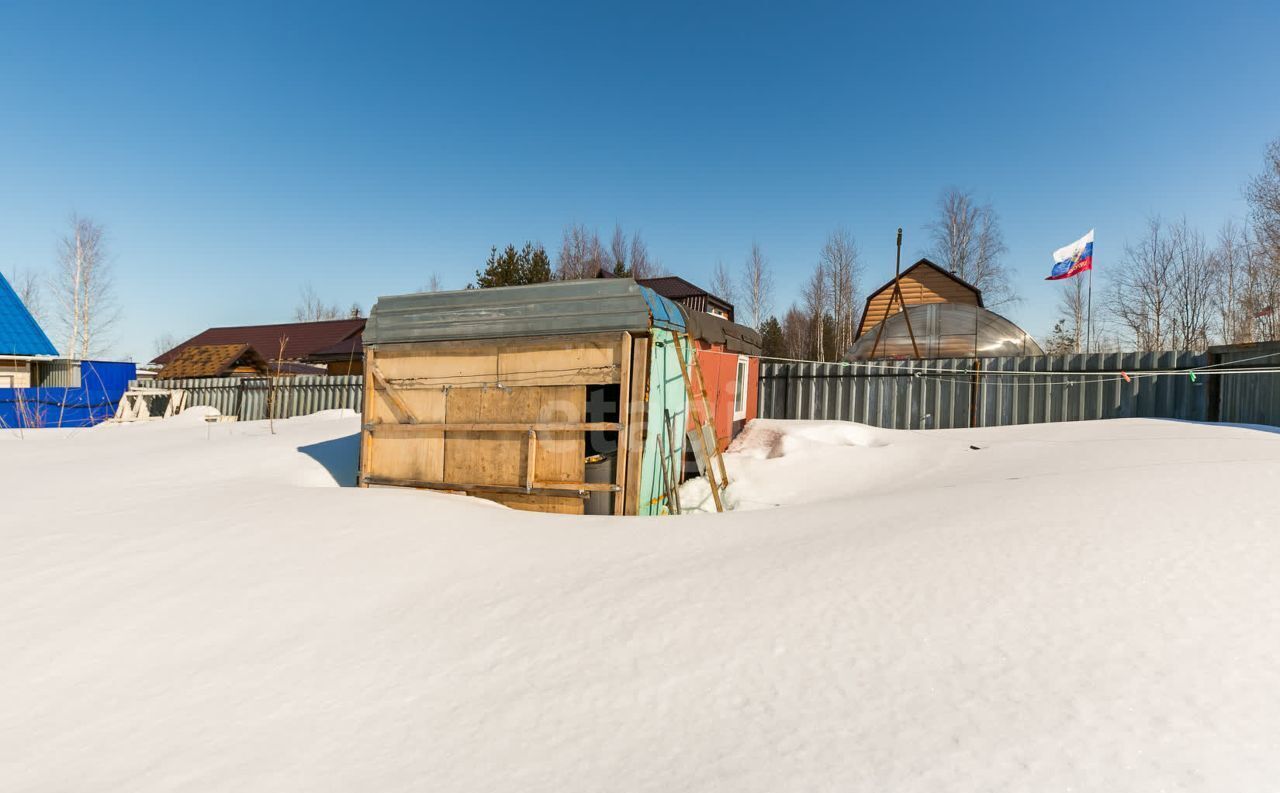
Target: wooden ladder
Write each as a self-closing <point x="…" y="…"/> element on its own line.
<point x="715" y="472"/>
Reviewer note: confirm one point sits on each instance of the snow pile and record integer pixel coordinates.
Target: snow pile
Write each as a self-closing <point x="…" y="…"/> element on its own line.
<point x="1078" y="606"/>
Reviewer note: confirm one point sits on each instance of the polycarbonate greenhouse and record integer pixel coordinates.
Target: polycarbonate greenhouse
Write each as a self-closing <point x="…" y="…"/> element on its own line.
<point x="943" y="330"/>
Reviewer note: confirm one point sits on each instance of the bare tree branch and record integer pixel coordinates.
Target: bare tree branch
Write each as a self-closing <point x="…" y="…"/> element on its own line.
<point x="27" y="284"/>
<point x="311" y="308"/>
<point x="722" y="285"/>
<point x="967" y="241"/>
<point x="581" y="254"/>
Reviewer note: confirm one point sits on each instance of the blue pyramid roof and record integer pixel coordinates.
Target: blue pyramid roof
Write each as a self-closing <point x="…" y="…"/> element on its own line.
<point x="19" y="332"/>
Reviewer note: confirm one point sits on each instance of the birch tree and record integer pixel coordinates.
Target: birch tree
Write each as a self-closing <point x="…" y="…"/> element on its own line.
<point x="817" y="300"/>
<point x="82" y="289"/>
<point x="839" y="258"/>
<point x="967" y="240"/>
<point x="757" y="286"/>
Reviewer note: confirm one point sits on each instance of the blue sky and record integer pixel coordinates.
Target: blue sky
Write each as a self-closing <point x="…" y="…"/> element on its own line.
<point x="237" y="151"/>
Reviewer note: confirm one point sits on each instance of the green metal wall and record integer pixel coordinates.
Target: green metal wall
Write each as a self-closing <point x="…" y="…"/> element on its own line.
<point x="667" y="397"/>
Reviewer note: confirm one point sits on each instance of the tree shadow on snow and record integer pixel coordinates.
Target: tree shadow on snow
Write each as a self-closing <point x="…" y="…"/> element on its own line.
<point x="340" y="457"/>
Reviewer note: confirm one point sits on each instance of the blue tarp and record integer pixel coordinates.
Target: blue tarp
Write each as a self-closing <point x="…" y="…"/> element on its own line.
<point x="102" y="384"/>
<point x="665" y="313"/>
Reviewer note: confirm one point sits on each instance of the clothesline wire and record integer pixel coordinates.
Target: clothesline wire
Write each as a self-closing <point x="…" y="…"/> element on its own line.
<point x="1218" y="368"/>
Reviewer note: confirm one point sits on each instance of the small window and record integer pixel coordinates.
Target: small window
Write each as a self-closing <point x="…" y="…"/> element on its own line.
<point x="740" y="390"/>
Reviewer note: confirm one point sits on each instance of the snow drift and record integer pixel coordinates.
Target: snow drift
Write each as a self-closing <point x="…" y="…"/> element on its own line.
<point x="1075" y="606"/>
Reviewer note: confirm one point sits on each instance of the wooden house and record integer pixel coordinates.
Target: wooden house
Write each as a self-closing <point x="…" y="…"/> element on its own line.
<point x="564" y="397"/>
<point x="344" y="358"/>
<point x="23" y="345"/>
<point x="291" y="347"/>
<point x="685" y="293"/>
<point x="922" y="283"/>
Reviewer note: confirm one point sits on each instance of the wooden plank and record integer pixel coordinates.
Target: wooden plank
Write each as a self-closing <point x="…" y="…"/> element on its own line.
<point x="580" y="376"/>
<point x="509" y="426"/>
<point x="702" y="437"/>
<point x="562" y="341"/>
<point x="408" y="455"/>
<point x="553" y="360"/>
<point x="500" y="457"/>
<point x="381" y="386"/>
<point x="556" y="491"/>
<point x="477" y="363"/>
<point x="584" y="361"/>
<point x="561" y="454"/>
<point x="636" y="423"/>
<point x="366" y="437"/>
<point x="531" y="465"/>
<point x="624" y="405"/>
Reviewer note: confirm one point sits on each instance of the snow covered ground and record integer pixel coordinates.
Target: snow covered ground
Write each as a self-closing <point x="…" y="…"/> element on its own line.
<point x="1088" y="606"/>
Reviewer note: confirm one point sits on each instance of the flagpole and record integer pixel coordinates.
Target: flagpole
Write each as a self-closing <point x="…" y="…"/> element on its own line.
<point x="1088" y="344"/>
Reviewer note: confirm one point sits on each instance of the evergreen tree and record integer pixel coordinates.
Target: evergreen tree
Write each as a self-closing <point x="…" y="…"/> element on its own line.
<point x="529" y="265"/>
<point x="1061" y="341"/>
<point x="772" y="343"/>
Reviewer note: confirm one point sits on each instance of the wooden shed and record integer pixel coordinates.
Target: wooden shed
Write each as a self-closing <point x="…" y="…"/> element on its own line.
<point x="564" y="397"/>
<point x="922" y="283"/>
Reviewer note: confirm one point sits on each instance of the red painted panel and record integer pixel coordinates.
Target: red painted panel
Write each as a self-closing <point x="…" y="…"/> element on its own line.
<point x="720" y="369"/>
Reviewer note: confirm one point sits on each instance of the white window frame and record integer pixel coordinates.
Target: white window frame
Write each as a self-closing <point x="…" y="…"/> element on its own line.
<point x="741" y="381"/>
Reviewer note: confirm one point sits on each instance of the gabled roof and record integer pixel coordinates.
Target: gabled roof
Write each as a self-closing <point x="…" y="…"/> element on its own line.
<point x="926" y="263"/>
<point x="672" y="287"/>
<point x="20" y="334"/>
<point x="921" y="263"/>
<point x="345" y="350"/>
<point x="213" y="360"/>
<point x="304" y="338"/>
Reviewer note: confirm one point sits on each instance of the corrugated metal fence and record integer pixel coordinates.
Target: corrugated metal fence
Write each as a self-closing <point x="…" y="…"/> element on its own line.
<point x="1246" y="398"/>
<point x="247" y="398"/>
<point x="965" y="392"/>
<point x="946" y="393"/>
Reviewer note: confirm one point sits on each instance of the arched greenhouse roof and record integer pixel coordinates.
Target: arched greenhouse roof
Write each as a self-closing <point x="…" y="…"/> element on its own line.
<point x="944" y="330"/>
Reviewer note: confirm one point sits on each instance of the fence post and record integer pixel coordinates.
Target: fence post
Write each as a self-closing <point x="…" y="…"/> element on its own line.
<point x="975" y="386"/>
<point x="1213" y="390"/>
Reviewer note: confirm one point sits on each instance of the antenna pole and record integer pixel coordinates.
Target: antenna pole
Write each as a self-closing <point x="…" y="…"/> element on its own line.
<point x="902" y="301"/>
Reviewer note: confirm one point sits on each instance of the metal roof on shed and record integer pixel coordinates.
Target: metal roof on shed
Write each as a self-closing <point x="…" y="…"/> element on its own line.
<point x="550" y="309"/>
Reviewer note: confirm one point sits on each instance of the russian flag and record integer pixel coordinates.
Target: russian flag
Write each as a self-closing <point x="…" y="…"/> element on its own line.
<point x="1073" y="259"/>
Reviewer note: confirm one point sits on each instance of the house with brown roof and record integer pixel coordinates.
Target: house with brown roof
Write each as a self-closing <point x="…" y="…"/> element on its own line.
<point x="345" y="357"/>
<point x="287" y="346"/>
<point x="215" y="360"/>
<point x="689" y="295"/>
